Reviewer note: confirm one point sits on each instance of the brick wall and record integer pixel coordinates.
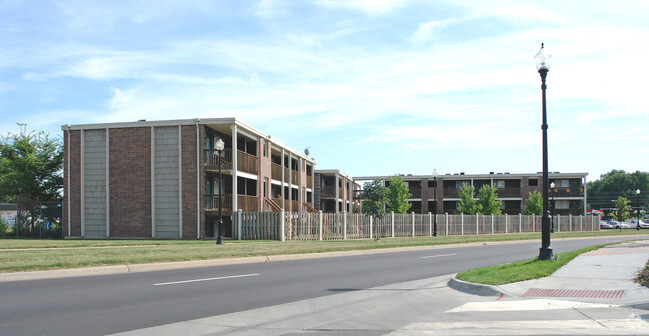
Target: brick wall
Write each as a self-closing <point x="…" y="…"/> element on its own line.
<point x="72" y="181"/>
<point x="130" y="182"/>
<point x="189" y="197"/>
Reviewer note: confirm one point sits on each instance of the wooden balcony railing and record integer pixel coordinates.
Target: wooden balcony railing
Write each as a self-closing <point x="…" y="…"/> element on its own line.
<point x="212" y="159"/>
<point x="276" y="172"/>
<point x="328" y="191"/>
<point x="567" y="192"/>
<point x="295" y="177"/>
<point x="244" y="202"/>
<point x="415" y="192"/>
<point x="246" y="163"/>
<point x="309" y="181"/>
<point x="509" y="192"/>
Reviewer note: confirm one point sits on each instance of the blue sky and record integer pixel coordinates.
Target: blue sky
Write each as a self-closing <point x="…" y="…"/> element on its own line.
<point x="374" y="87"/>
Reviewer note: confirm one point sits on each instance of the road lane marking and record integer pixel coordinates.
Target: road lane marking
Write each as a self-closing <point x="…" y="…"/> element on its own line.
<point x="205" y="279"/>
<point x="439" y="255"/>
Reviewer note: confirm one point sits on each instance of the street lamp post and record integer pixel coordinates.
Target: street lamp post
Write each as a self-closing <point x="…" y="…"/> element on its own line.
<point x="219" y="147"/>
<point x="637" y="194"/>
<point x="552" y="206"/>
<point x="435" y="206"/>
<point x="543" y="66"/>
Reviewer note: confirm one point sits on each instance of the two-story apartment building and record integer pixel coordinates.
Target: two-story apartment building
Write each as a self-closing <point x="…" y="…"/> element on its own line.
<point x="334" y="192"/>
<point x="440" y="194"/>
<point x="160" y="179"/>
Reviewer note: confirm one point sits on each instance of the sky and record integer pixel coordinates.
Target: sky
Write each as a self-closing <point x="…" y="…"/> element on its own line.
<point x="372" y="87"/>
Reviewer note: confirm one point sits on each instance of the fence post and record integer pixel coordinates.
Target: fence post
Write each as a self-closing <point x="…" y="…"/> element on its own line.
<point x="533" y="223"/>
<point x="520" y="223"/>
<point x="413" y="223"/>
<point x="570" y="220"/>
<point x="461" y="222"/>
<point x="282" y="232"/>
<point x="344" y="225"/>
<point x="558" y="223"/>
<point x="430" y="224"/>
<point x="506" y="222"/>
<point x="445" y="221"/>
<point x="392" y="215"/>
<point x="477" y="224"/>
<point x="371" y="233"/>
<point x="239" y="219"/>
<point x="320" y="225"/>
<point x="492" y="223"/>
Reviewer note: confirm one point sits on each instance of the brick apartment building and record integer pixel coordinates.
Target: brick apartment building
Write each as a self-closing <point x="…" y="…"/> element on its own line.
<point x="336" y="192"/>
<point x="159" y="179"/>
<point x="568" y="194"/>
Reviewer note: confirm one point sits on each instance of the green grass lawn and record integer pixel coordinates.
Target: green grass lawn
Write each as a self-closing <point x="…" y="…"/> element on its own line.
<point x="521" y="270"/>
<point x="33" y="254"/>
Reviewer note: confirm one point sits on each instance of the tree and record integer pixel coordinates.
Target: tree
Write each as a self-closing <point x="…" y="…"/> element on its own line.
<point x="487" y="202"/>
<point x="467" y="205"/>
<point x="623" y="209"/>
<point x="534" y="204"/>
<point x="397" y="195"/>
<point x="615" y="183"/>
<point x="30" y="170"/>
<point x="373" y="195"/>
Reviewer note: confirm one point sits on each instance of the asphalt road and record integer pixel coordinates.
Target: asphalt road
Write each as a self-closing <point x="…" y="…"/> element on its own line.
<point x="99" y="305"/>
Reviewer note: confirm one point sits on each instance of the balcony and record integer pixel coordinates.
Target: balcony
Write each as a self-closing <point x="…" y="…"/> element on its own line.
<point x="244" y="202"/>
<point x="450" y="192"/>
<point x="509" y="192"/>
<point x="567" y="192"/>
<point x="246" y="163"/>
<point x="328" y="191"/>
<point x="415" y="192"/>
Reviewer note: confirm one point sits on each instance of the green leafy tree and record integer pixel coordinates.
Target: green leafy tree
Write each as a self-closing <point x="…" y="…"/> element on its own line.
<point x="487" y="202"/>
<point x="618" y="183"/>
<point x="30" y="170"/>
<point x="533" y="204"/>
<point x="623" y="209"/>
<point x="373" y="195"/>
<point x="397" y="195"/>
<point x="467" y="205"/>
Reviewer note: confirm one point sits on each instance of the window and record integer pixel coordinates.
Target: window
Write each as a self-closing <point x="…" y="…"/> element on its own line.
<point x="562" y="205"/>
<point x="461" y="184"/>
<point x="533" y="182"/>
<point x="432" y="183"/>
<point x="500" y="184"/>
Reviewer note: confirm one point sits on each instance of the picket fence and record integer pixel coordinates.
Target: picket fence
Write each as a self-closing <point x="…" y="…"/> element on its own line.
<point x="284" y="225"/>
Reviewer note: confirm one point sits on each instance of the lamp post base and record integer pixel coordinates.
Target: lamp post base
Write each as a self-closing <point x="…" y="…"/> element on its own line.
<point x="219" y="240"/>
<point x="545" y="253"/>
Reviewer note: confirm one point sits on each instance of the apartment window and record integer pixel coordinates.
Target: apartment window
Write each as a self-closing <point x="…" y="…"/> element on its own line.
<point x="462" y="184"/>
<point x="533" y="182"/>
<point x="500" y="184"/>
<point x="562" y="205"/>
<point x="432" y="183"/>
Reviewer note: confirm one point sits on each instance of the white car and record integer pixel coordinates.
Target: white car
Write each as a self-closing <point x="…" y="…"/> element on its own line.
<point x="643" y="225"/>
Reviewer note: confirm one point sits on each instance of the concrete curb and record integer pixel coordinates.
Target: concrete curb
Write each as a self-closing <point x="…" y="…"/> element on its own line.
<point x="474" y="288"/>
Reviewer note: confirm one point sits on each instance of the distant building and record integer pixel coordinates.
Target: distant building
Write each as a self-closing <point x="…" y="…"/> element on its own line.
<point x="159" y="179"/>
<point x="568" y="195"/>
<point x="336" y="192"/>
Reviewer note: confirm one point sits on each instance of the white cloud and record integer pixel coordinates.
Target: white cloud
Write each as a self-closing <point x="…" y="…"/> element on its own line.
<point x="369" y="7"/>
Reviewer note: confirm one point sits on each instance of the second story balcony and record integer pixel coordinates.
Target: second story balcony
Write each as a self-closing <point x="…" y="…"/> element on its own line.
<point x="246" y="163"/>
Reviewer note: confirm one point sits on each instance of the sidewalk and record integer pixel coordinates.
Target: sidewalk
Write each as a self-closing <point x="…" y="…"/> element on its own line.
<point x="594" y="294"/>
<point x="604" y="275"/>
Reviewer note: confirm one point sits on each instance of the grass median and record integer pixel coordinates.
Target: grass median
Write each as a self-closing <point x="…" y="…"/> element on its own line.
<point x="521" y="270"/>
<point x="18" y="255"/>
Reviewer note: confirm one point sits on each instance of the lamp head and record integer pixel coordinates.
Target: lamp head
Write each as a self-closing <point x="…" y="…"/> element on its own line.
<point x="552" y="185"/>
<point x="435" y="173"/>
<point x="542" y="59"/>
<point x="219" y="145"/>
<point x="637" y="192"/>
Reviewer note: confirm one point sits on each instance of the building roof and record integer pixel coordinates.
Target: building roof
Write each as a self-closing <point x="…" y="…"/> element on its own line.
<point x="463" y="176"/>
<point x="212" y="122"/>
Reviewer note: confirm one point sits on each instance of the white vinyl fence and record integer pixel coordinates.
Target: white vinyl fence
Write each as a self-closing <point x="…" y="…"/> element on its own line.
<point x="284" y="226"/>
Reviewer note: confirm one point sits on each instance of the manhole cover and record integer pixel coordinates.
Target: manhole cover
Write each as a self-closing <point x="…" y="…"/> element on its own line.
<point x="580" y="293"/>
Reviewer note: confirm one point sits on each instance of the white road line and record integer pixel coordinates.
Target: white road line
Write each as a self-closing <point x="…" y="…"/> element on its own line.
<point x="439" y="255"/>
<point x="206" y="279"/>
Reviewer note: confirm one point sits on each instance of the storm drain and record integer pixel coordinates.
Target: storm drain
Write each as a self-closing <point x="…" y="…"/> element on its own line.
<point x="577" y="293"/>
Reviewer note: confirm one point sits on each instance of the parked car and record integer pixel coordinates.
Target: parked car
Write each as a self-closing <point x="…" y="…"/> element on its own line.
<point x="643" y="225"/>
<point x="620" y="225"/>
<point x="605" y="225"/>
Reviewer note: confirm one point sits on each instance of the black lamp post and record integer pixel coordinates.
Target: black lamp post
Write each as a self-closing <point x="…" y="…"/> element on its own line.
<point x="545" y="252"/>
<point x="219" y="147"/>
<point x="637" y="194"/>
<point x="435" y="206"/>
<point x="552" y="206"/>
